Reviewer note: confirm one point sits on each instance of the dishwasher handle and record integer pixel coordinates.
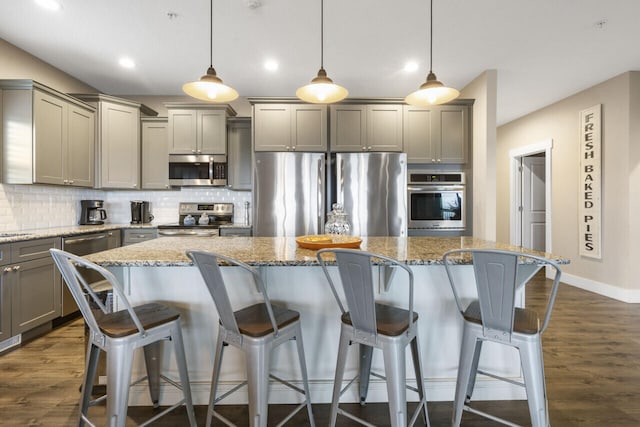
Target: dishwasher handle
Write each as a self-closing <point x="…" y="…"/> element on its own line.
<point x="84" y="239"/>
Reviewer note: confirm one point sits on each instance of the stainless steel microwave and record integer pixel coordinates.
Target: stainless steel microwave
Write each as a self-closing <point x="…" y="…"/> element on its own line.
<point x="197" y="170"/>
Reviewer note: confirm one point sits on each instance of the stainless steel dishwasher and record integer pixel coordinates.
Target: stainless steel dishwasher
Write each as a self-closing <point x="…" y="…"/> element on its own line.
<point x="86" y="244"/>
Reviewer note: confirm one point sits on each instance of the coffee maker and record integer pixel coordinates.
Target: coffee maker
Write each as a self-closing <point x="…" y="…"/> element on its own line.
<point x="91" y="212"/>
<point x="140" y="213"/>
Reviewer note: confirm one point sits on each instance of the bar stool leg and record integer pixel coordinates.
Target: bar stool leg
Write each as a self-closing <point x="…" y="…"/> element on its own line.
<point x="217" y="363"/>
<point x="305" y="378"/>
<point x="152" y="363"/>
<point x="473" y="375"/>
<point x="531" y="360"/>
<point x="181" y="361"/>
<point x="467" y="354"/>
<point x="343" y="349"/>
<point x="366" y="355"/>
<point x="417" y="367"/>
<point x="119" y="364"/>
<point x="395" y="371"/>
<point x="91" y="366"/>
<point x="258" y="358"/>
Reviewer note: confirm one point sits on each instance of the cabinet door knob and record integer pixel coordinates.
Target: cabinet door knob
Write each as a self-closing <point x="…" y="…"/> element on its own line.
<point x="16" y="267"/>
<point x="7" y="269"/>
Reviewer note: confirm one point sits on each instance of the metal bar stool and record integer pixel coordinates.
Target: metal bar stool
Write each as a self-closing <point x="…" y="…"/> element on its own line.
<point x="256" y="330"/>
<point x="119" y="334"/>
<point x="493" y="316"/>
<point x="373" y="325"/>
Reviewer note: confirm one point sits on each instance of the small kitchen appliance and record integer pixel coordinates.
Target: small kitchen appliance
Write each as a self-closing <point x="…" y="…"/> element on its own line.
<point x="199" y="219"/>
<point x="92" y="212"/>
<point x="140" y="212"/>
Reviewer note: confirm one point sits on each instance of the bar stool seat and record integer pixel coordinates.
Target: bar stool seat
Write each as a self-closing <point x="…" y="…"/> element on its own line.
<point x="374" y="325"/>
<point x="256" y="330"/>
<point x="119" y="334"/>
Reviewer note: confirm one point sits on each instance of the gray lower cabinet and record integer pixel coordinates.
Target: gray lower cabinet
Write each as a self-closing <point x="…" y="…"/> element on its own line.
<point x="5" y="293"/>
<point x="137" y="235"/>
<point x="236" y="231"/>
<point x="31" y="286"/>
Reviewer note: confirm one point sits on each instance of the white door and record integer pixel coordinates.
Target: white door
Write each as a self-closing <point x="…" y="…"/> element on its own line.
<point x="533" y="203"/>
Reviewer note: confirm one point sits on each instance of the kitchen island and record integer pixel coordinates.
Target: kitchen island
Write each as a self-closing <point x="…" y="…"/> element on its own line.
<point x="159" y="270"/>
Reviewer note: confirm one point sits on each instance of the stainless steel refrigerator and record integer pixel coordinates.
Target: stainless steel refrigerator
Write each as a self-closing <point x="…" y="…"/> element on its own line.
<point x="372" y="187"/>
<point x="294" y="191"/>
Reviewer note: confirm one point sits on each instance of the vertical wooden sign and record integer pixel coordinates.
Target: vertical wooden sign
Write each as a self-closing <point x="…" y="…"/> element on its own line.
<point x="590" y="210"/>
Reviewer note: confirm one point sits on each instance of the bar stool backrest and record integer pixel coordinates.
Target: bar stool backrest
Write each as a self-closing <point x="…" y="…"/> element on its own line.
<point x="67" y="264"/>
<point x="498" y="276"/>
<point x="356" y="277"/>
<point x="209" y="266"/>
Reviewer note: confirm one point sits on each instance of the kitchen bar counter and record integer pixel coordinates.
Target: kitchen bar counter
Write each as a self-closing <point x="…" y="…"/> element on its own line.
<point x="284" y="251"/>
<point x="158" y="270"/>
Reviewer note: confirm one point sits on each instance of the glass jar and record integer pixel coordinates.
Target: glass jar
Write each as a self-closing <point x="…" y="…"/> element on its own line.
<point x="337" y="222"/>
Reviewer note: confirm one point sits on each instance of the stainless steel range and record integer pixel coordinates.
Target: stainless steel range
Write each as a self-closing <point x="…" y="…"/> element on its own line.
<point x="199" y="219"/>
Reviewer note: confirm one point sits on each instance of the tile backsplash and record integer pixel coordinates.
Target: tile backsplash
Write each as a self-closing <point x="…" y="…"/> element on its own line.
<point x="24" y="207"/>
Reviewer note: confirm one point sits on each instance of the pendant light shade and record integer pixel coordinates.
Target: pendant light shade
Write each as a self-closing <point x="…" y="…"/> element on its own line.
<point x="432" y="91"/>
<point x="322" y="90"/>
<point x="210" y="87"/>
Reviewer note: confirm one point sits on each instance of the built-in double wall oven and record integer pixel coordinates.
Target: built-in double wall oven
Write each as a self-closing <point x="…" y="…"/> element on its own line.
<point x="436" y="202"/>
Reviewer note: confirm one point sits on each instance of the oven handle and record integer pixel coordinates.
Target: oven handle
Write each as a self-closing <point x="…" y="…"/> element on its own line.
<point x="436" y="188"/>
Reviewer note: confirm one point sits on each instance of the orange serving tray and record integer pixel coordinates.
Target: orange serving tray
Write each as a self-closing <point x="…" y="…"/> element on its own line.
<point x="320" y="241"/>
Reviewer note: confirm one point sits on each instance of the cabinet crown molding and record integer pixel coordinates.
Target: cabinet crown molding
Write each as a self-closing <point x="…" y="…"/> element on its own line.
<point x="201" y="105"/>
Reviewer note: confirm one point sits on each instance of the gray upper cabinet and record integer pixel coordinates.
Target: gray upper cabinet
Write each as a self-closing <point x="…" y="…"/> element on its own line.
<point x="239" y="153"/>
<point x="155" y="153"/>
<point x="58" y="147"/>
<point x="437" y="134"/>
<point x="198" y="129"/>
<point x="289" y="127"/>
<point x="366" y="127"/>
<point x="117" y="141"/>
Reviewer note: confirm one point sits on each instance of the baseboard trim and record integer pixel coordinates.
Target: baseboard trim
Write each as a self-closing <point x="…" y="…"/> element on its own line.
<point x="604" y="289"/>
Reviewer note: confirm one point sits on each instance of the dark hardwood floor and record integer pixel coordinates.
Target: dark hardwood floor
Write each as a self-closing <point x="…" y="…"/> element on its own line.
<point x="592" y="363"/>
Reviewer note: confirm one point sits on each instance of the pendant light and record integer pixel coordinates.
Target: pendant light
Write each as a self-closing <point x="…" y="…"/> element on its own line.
<point x="432" y="91"/>
<point x="210" y="87"/>
<point x="322" y="90"/>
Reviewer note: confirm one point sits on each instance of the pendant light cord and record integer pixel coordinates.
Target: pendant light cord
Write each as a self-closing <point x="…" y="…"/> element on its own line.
<point x="211" y="35"/>
<point x="430" y="37"/>
<point x="322" y="34"/>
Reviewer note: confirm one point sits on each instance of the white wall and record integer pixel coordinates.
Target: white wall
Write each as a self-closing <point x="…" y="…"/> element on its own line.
<point x="484" y="90"/>
<point x="613" y="275"/>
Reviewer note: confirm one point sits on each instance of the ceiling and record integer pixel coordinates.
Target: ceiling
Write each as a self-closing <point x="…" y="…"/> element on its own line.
<point x="543" y="50"/>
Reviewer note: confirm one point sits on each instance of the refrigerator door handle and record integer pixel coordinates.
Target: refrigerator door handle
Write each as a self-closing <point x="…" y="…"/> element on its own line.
<point x="320" y="197"/>
<point x="340" y="178"/>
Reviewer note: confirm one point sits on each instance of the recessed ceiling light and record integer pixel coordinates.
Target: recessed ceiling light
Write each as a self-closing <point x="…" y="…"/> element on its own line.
<point x="49" y="4"/>
<point x="411" y="66"/>
<point x="126" y="63"/>
<point x="271" y="65"/>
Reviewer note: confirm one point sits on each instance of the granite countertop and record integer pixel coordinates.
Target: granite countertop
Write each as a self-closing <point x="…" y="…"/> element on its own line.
<point x="284" y="251"/>
<point x="71" y="230"/>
